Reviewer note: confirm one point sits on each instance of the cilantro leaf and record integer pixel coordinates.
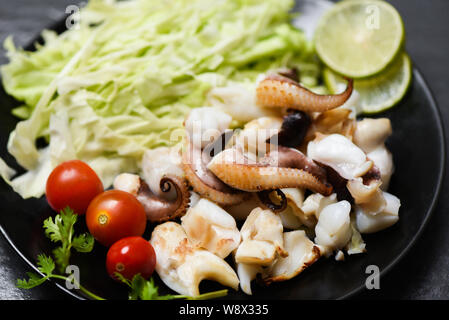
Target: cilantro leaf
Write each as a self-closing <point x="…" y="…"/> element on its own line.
<point x="61" y="229"/>
<point x="83" y="243"/>
<point x="33" y="281"/>
<point x="45" y="264"/>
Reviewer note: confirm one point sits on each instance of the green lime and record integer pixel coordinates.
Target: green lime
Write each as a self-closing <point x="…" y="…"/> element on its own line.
<point x="379" y="92"/>
<point x="359" y="38"/>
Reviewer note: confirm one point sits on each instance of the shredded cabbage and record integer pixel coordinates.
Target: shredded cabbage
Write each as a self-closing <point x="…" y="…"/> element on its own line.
<point x="123" y="80"/>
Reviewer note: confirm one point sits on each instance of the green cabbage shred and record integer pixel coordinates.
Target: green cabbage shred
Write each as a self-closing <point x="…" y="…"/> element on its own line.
<point x="123" y="80"/>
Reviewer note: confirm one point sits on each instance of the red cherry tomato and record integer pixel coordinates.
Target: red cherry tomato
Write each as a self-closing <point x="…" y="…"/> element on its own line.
<point x="115" y="214"/>
<point x="130" y="256"/>
<point x="74" y="184"/>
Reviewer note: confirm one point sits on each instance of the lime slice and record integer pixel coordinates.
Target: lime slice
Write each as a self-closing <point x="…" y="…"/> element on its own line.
<point x="359" y="38"/>
<point x="379" y="92"/>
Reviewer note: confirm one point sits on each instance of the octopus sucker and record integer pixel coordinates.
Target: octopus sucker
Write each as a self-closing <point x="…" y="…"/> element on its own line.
<point x="253" y="178"/>
<point x="279" y="91"/>
<point x="265" y="199"/>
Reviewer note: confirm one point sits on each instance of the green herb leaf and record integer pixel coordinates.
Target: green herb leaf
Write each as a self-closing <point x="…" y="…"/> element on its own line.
<point x="147" y="290"/>
<point x="83" y="243"/>
<point x="45" y="264"/>
<point x="61" y="229"/>
<point x="33" y="281"/>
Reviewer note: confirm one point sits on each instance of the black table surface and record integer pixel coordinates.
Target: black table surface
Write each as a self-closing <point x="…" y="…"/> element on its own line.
<point x="422" y="274"/>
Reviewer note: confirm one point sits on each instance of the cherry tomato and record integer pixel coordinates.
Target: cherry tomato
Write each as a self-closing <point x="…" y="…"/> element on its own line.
<point x="74" y="184"/>
<point x="115" y="214"/>
<point x="130" y="256"/>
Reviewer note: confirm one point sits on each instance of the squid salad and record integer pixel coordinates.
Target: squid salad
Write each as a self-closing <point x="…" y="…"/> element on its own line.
<point x="267" y="180"/>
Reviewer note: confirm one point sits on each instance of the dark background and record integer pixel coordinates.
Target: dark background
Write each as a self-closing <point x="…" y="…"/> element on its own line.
<point x="422" y="274"/>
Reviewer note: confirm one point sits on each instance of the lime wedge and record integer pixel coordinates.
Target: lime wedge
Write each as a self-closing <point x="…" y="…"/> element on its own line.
<point x="379" y="92"/>
<point x="359" y="38"/>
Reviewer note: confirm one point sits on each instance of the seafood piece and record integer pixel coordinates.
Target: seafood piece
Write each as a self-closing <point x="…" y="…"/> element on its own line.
<point x="292" y="158"/>
<point x="315" y="203"/>
<point x="182" y="266"/>
<point x="384" y="218"/>
<point x="253" y="138"/>
<point x="293" y="131"/>
<point x="242" y="210"/>
<point x="159" y="162"/>
<point x="247" y="273"/>
<point x="157" y="208"/>
<point x="206" y="124"/>
<point x="262" y="238"/>
<point x="370" y="136"/>
<point x="293" y="217"/>
<point x="210" y="227"/>
<point x="267" y="200"/>
<point x="279" y="91"/>
<point x="232" y="168"/>
<point x="339" y="153"/>
<point x="339" y="121"/>
<point x="371" y="133"/>
<point x="289" y="218"/>
<point x="200" y="123"/>
<point x="204" y="181"/>
<point x="333" y="230"/>
<point x="301" y="254"/>
<point x="383" y="160"/>
<point x="239" y="102"/>
<point x="364" y="188"/>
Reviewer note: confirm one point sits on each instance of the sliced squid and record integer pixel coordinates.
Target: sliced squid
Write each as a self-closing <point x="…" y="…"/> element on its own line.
<point x="387" y="216"/>
<point x="182" y="266"/>
<point x="371" y="133"/>
<point x="247" y="273"/>
<point x="370" y="136"/>
<point x="262" y="239"/>
<point x="206" y="124"/>
<point x="210" y="227"/>
<point x="239" y="102"/>
<point x="315" y="203"/>
<point x="253" y="138"/>
<point x="301" y="254"/>
<point x="339" y="153"/>
<point x="333" y="230"/>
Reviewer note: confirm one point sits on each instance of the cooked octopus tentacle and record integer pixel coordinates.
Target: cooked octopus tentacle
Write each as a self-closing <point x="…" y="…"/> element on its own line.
<point x="293" y="158"/>
<point x="158" y="209"/>
<point x="254" y="178"/>
<point x="204" y="182"/>
<point x="278" y="91"/>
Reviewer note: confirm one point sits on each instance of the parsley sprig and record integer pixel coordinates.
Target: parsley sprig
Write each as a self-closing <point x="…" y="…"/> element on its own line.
<point x="147" y="290"/>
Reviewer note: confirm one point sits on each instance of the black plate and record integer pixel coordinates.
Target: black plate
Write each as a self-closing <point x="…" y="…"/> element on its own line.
<point x="417" y="145"/>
